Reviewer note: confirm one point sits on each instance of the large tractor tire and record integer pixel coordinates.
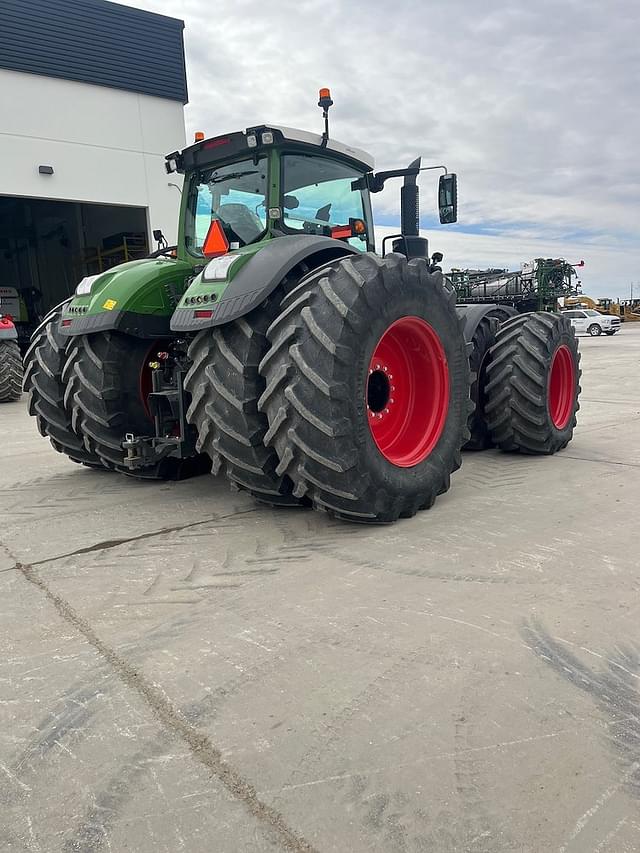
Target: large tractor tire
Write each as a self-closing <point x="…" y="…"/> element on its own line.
<point x="108" y="379"/>
<point x="44" y="362"/>
<point x="367" y="388"/>
<point x="483" y="339"/>
<point x="532" y="384"/>
<point x="225" y="386"/>
<point x="10" y="372"/>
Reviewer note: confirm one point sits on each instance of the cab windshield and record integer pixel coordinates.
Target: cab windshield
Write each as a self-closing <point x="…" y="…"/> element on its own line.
<point x="317" y="196"/>
<point x="233" y="194"/>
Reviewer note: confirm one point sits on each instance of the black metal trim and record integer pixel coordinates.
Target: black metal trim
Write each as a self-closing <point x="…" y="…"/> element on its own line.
<point x="128" y="322"/>
<point x="471" y="316"/>
<point x="260" y="276"/>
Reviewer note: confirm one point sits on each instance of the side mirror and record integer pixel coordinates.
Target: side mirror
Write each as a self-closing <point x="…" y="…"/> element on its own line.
<point x="448" y="198"/>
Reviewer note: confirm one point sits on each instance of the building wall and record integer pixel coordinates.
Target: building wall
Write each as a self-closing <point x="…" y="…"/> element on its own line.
<point x="105" y="145"/>
<point x="94" y="41"/>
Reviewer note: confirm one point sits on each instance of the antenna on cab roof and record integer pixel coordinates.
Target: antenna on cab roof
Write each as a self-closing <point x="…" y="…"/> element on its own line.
<point x="325" y="102"/>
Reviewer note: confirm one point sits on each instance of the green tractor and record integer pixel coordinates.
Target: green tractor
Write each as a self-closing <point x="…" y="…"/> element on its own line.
<point x="273" y="345"/>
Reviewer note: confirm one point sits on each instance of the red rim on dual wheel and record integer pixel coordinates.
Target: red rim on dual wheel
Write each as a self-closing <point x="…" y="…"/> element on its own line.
<point x="407" y="392"/>
<point x="562" y="387"/>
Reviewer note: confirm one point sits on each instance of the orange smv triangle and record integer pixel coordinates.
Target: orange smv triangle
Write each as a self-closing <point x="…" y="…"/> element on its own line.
<point x="215" y="243"/>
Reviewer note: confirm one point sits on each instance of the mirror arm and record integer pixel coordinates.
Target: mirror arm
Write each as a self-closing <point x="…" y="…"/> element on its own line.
<point x="374" y="181"/>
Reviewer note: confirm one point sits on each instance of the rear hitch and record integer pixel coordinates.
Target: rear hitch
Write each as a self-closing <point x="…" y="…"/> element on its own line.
<point x="173" y="437"/>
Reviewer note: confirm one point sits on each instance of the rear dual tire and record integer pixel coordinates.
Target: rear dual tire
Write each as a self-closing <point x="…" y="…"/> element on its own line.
<point x="484" y="337"/>
<point x="44" y="363"/>
<point x="532" y="384"/>
<point x="106" y="378"/>
<point x="225" y="385"/>
<point x="330" y="403"/>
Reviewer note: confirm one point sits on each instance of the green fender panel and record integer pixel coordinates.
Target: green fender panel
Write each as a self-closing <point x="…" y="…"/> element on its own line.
<point x="137" y="298"/>
<point x="257" y="277"/>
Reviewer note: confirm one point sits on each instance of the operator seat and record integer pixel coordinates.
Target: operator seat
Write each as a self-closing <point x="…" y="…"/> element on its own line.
<point x="243" y="222"/>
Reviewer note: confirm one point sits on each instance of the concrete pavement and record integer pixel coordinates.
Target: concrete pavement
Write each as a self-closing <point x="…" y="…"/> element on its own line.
<point x="182" y="669"/>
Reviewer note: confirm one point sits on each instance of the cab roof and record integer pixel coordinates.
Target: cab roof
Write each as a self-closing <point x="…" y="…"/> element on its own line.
<point x="260" y="138"/>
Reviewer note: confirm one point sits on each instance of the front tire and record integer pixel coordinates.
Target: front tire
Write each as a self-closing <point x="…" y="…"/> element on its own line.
<point x="532" y="385"/>
<point x="10" y="372"/>
<point x="594" y="330"/>
<point x="367" y="388"/>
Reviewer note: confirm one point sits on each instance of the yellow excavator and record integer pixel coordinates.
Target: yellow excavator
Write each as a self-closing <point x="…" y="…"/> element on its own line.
<point x="630" y="310"/>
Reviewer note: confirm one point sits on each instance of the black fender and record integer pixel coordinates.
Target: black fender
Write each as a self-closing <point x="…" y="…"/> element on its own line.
<point x="471" y="315"/>
<point x="502" y="313"/>
<point x="261" y="275"/>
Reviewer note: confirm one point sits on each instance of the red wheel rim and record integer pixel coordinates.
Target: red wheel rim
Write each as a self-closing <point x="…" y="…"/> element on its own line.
<point x="562" y="387"/>
<point x="407" y="392"/>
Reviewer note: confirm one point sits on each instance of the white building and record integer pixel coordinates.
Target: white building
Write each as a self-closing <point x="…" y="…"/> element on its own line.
<point x="92" y="98"/>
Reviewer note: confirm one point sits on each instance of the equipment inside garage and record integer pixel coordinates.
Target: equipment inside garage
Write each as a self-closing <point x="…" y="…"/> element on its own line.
<point x="46" y="247"/>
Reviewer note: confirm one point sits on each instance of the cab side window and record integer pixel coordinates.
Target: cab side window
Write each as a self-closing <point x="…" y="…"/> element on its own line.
<point x="317" y="196"/>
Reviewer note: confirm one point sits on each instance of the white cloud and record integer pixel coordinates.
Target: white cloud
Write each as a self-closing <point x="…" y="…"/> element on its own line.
<point x="533" y="104"/>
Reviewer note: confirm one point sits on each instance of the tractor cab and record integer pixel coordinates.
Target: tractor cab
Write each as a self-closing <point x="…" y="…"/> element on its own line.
<point x="267" y="181"/>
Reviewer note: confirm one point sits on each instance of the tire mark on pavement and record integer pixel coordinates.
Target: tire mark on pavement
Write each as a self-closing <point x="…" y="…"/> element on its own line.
<point x="200" y="746"/>
<point x="106" y="544"/>
<point x="615" y="693"/>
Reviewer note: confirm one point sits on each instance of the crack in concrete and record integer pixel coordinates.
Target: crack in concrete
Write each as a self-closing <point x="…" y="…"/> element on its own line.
<point x="597" y="461"/>
<point x="200" y="746"/>
<point x="107" y="544"/>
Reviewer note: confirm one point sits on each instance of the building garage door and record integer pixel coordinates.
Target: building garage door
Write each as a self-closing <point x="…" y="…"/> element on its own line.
<point x="46" y="247"/>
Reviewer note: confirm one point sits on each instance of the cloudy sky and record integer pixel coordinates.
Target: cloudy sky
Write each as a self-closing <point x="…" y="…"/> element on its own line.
<point x="534" y="103"/>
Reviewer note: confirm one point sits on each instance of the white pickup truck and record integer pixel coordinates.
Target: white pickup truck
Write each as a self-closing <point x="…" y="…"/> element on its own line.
<point x="592" y="322"/>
